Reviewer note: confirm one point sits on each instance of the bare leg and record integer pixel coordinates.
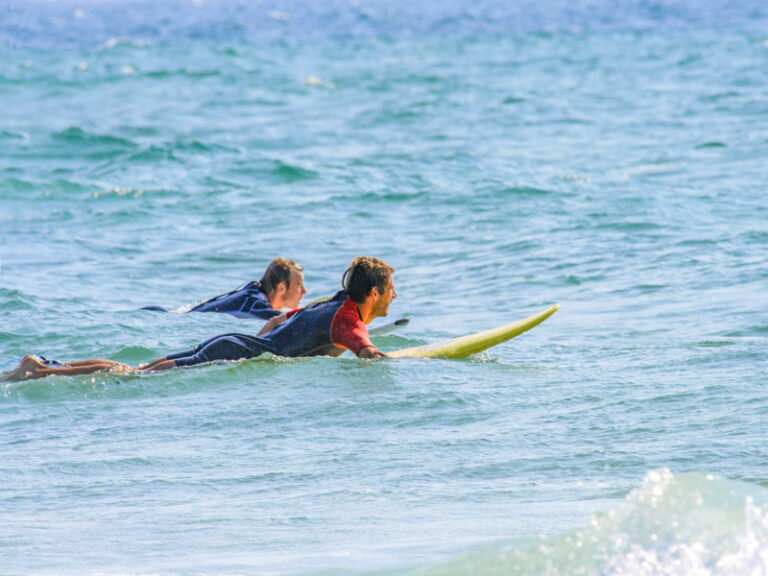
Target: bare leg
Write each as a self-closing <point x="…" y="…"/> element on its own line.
<point x="32" y="367"/>
<point x="78" y="363"/>
<point x="151" y="366"/>
<point x="28" y="365"/>
<point x="158" y="365"/>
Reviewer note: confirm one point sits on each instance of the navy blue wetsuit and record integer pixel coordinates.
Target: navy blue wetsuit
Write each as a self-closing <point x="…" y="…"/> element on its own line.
<point x="247" y="301"/>
<point x="308" y="332"/>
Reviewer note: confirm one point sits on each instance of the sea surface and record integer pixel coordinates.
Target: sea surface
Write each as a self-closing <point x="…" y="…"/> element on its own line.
<point x="608" y="156"/>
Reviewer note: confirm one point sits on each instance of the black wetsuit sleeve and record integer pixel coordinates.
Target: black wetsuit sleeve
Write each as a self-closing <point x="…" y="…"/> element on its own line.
<point x="246" y="301"/>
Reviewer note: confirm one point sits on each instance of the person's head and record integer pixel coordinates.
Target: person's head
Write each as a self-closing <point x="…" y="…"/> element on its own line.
<point x="283" y="283"/>
<point x="369" y="279"/>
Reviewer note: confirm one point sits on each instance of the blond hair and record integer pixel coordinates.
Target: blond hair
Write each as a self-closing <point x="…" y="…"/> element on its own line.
<point x="279" y="270"/>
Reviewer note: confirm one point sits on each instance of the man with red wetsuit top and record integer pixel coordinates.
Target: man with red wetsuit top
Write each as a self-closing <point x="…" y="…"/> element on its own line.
<point x="326" y="328"/>
<point x="368" y="291"/>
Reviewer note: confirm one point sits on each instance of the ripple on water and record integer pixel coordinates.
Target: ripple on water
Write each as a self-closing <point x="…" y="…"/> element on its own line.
<point x="93" y="145"/>
<point x="499" y="174"/>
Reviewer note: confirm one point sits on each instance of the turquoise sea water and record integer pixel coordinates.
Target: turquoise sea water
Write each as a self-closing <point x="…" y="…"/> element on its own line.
<point x="503" y="158"/>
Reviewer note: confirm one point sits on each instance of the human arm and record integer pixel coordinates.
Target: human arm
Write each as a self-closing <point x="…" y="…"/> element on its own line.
<point x="273" y="323"/>
<point x="350" y="332"/>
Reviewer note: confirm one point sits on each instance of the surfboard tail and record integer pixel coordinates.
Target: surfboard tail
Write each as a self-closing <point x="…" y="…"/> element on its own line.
<point x="387" y="328"/>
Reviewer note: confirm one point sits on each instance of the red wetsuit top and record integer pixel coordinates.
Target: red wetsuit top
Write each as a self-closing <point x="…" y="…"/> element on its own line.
<point x="347" y="329"/>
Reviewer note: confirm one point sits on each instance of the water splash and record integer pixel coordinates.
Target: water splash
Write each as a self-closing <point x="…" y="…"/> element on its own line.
<point x="682" y="525"/>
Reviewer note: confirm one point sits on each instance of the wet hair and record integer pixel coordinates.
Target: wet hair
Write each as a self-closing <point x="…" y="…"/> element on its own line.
<point x="279" y="270"/>
<point x="363" y="274"/>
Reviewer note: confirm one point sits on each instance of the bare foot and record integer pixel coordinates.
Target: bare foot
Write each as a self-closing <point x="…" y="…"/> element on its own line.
<point x="121" y="368"/>
<point x="27" y="368"/>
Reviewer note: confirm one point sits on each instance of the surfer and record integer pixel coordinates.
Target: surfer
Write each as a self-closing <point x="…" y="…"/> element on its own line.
<point x="282" y="286"/>
<point x="327" y="328"/>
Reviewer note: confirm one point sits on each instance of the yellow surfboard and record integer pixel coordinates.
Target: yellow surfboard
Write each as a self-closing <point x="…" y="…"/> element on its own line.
<point x="474" y="343"/>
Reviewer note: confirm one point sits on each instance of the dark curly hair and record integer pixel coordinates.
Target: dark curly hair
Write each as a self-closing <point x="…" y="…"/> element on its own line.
<point x="363" y="274"/>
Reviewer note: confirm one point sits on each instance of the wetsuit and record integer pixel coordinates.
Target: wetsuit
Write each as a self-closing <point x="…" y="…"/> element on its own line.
<point x="323" y="329"/>
<point x="247" y="301"/>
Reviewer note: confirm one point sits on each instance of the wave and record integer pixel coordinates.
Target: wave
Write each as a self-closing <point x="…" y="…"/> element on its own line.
<point x="16" y="185"/>
<point x="688" y="525"/>
<point x="276" y="171"/>
<point x="113" y="43"/>
<point x="76" y="135"/>
<point x="14" y="299"/>
<point x="10" y="135"/>
<point x="76" y="142"/>
<point x="707" y="145"/>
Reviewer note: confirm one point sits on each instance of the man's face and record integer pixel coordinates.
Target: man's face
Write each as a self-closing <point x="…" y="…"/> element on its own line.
<point x="296" y="290"/>
<point x="385" y="299"/>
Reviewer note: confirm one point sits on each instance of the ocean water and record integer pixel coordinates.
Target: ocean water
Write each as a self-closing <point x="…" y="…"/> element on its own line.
<point x="607" y="156"/>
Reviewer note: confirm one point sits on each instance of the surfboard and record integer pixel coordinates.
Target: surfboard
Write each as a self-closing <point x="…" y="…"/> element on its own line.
<point x="473" y="343"/>
<point x="387" y="328"/>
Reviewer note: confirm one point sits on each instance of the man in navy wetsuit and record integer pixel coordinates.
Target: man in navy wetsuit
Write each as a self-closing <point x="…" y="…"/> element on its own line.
<point x="282" y="286"/>
<point x="324" y="329"/>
